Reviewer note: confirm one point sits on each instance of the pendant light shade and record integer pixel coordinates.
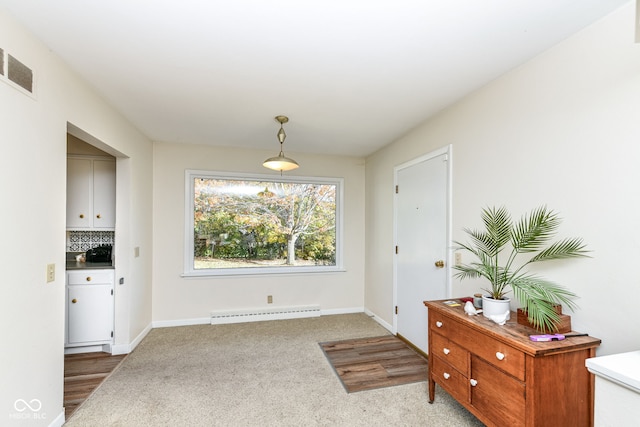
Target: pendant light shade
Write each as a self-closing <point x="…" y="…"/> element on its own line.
<point x="281" y="162"/>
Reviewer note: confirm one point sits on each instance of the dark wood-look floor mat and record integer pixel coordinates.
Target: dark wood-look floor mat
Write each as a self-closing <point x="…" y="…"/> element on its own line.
<point x="369" y="363"/>
<point x="83" y="373"/>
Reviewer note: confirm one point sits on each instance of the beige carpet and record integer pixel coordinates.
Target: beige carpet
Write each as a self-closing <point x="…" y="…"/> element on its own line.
<point x="255" y="374"/>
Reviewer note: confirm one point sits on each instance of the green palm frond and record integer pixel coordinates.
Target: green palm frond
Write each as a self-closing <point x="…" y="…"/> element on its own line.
<point x="534" y="287"/>
<point x="567" y="248"/>
<point x="537" y="298"/>
<point x="534" y="230"/>
<point x="498" y="227"/>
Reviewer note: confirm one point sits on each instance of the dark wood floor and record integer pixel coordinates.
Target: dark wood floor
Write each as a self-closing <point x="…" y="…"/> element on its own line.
<point x="368" y="363"/>
<point x="83" y="373"/>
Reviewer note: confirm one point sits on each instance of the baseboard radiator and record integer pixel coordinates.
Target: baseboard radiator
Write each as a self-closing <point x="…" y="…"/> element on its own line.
<point x="259" y="314"/>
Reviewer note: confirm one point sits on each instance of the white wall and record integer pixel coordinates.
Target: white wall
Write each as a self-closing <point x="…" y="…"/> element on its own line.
<point x="176" y="298"/>
<point x="33" y="188"/>
<point x="561" y="130"/>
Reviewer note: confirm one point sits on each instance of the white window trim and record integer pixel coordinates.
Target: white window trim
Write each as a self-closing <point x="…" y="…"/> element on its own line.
<point x="189" y="271"/>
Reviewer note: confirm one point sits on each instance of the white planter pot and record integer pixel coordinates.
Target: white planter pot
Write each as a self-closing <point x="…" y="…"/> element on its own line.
<point x="496" y="307"/>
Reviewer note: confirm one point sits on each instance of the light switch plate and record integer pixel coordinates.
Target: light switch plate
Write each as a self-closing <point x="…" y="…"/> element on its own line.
<point x="51" y="273"/>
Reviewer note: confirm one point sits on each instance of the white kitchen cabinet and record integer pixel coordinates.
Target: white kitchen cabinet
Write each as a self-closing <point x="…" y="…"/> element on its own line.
<point x="89" y="306"/>
<point x="91" y="193"/>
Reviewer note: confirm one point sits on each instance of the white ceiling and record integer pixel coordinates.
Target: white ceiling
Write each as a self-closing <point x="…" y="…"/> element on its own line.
<point x="352" y="75"/>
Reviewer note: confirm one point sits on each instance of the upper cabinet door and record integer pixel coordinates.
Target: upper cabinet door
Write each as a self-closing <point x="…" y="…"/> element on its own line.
<point x="79" y="193"/>
<point x="91" y="194"/>
<point x="104" y="192"/>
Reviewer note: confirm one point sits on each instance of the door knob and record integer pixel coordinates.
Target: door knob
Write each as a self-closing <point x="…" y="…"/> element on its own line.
<point x="440" y="263"/>
<point x="74" y="300"/>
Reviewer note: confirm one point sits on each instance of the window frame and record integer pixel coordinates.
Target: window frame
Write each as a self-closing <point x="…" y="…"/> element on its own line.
<point x="189" y="241"/>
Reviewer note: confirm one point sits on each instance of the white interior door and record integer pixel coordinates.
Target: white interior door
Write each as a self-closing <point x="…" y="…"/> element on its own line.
<point x="422" y="239"/>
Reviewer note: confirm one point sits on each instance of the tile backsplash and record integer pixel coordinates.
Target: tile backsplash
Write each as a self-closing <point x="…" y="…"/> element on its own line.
<point x="82" y="241"/>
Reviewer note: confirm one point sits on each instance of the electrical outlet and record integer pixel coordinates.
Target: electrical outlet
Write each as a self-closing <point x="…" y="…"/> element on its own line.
<point x="458" y="259"/>
<point x="51" y="273"/>
<point x="269" y="299"/>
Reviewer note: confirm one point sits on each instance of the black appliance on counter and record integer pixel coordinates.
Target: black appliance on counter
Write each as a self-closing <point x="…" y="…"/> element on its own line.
<point x="99" y="254"/>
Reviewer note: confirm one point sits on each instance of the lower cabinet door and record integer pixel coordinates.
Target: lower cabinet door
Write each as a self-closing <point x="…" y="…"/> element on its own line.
<point x="90" y="313"/>
<point x="497" y="395"/>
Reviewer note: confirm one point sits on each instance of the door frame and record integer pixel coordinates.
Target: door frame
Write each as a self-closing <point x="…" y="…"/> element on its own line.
<point x="448" y="151"/>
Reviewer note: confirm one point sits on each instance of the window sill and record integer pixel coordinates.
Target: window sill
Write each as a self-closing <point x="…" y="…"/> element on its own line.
<point x="257" y="271"/>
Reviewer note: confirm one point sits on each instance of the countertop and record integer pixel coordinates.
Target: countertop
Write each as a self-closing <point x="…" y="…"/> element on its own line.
<point x="72" y="264"/>
<point x="75" y="265"/>
<point x="622" y="368"/>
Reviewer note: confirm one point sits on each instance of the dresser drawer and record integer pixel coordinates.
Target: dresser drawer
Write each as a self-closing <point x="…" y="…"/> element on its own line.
<point x="454" y="382"/>
<point x="493" y="351"/>
<point x="498" y="354"/>
<point x="450" y="352"/>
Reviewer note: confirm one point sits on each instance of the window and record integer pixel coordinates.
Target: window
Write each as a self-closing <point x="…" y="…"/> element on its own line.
<point x="257" y="224"/>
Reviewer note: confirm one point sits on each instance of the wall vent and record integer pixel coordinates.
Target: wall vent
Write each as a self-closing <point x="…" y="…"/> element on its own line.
<point x="259" y="314"/>
<point x="15" y="72"/>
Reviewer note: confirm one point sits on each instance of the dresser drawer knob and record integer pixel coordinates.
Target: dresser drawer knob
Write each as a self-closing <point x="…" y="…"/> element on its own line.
<point x="473" y="382"/>
<point x="500" y="356"/>
<point x="446" y="351"/>
<point x="446" y="375"/>
<point x="88" y="278"/>
<point x="439" y="324"/>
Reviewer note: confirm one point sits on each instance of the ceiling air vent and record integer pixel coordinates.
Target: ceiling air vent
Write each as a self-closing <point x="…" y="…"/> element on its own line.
<point x="14" y="71"/>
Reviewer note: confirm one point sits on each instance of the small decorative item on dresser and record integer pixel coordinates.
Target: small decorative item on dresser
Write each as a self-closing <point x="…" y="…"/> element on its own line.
<point x="477" y="300"/>
<point x="564" y="323"/>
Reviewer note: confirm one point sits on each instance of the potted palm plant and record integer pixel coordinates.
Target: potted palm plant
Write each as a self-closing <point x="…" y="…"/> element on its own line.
<point x="503" y="249"/>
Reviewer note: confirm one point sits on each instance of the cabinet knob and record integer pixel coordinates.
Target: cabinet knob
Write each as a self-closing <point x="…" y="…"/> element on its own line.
<point x="98" y="216"/>
<point x="473" y="382"/>
<point x="446" y="375"/>
<point x="439" y="324"/>
<point x="88" y="278"/>
<point x="499" y="356"/>
<point x="440" y="263"/>
<point x="446" y="351"/>
<point x="74" y="300"/>
<point x="81" y="215"/>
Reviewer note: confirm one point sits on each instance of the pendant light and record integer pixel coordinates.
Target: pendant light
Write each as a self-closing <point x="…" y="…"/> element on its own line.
<point x="281" y="162"/>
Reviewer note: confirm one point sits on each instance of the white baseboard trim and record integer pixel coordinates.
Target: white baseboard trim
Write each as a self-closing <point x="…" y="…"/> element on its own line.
<point x="348" y="310"/>
<point x="379" y="320"/>
<point x="88" y="349"/>
<point x="207" y="320"/>
<point x="59" y="420"/>
<point x="128" y="348"/>
<point x="181" y="322"/>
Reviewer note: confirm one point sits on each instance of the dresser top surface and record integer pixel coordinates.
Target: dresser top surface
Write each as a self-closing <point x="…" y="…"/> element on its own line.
<point x="511" y="332"/>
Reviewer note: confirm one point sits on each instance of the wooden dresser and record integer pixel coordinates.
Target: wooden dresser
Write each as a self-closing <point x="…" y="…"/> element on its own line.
<point x="504" y="378"/>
